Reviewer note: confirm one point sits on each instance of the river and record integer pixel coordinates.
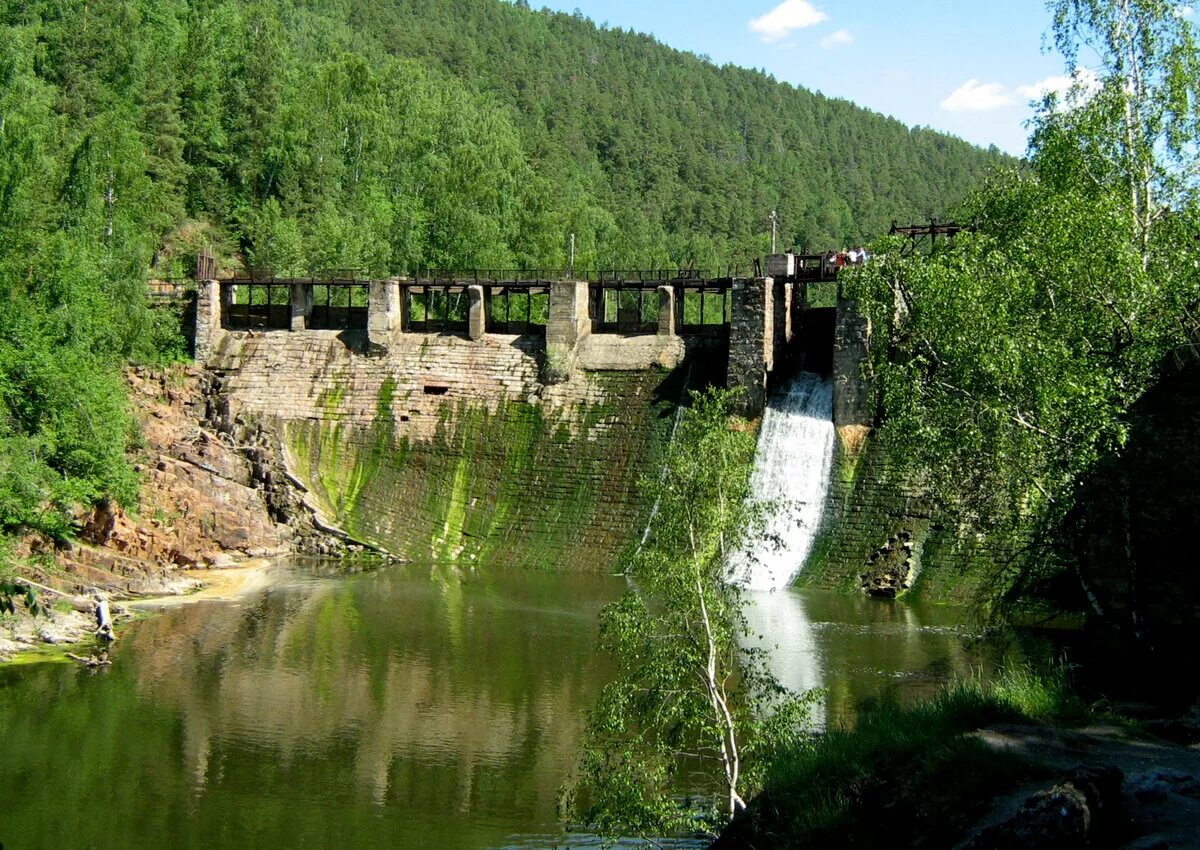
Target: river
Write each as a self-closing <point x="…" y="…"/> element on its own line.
<point x="406" y="707"/>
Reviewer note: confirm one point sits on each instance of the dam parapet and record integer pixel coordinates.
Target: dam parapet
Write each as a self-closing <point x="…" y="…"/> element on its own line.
<point x="620" y="321"/>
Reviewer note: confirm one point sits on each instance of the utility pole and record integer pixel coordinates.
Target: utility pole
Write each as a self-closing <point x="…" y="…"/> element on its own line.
<point x="571" y="254"/>
<point x="774" y="228"/>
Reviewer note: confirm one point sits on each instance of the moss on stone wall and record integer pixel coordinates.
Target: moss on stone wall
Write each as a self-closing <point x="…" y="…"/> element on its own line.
<point x="510" y="482"/>
<point x="871" y="516"/>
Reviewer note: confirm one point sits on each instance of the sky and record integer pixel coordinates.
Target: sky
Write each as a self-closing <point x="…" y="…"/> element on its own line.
<point x="969" y="67"/>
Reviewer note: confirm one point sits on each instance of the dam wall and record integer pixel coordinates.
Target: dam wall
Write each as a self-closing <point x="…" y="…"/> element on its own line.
<point x="407" y="418"/>
<point x="454" y="449"/>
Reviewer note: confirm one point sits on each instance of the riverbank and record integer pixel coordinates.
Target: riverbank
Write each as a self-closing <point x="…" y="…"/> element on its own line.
<point x="202" y="510"/>
<point x="67" y="627"/>
<point x="1020" y="762"/>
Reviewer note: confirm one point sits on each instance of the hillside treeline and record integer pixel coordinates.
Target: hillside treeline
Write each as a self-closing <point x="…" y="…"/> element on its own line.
<point x="379" y="135"/>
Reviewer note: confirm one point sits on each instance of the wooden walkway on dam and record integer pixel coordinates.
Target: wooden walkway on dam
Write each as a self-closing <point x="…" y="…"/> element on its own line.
<point x="684" y="301"/>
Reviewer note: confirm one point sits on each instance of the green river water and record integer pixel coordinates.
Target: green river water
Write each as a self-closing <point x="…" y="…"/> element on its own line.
<point x="407" y="707"/>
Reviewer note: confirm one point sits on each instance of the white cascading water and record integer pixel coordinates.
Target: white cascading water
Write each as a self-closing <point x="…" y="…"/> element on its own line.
<point x="791" y="472"/>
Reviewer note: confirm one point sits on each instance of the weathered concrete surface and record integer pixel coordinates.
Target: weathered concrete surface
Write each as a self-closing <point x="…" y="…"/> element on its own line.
<point x="609" y="352"/>
<point x="385" y="312"/>
<point x="300" y="302"/>
<point x="452" y="448"/>
<point x="877" y="525"/>
<point x="666" y="311"/>
<point x="476" y="316"/>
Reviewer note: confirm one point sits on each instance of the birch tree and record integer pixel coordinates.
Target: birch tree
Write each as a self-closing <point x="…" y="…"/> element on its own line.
<point x="1141" y="127"/>
<point x="1021" y="348"/>
<point x="688" y="698"/>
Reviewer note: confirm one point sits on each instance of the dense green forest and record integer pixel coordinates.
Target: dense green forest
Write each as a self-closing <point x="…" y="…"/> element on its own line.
<point x="381" y="135"/>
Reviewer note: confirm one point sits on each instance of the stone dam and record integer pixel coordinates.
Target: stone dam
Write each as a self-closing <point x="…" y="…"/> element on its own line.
<point x="435" y="432"/>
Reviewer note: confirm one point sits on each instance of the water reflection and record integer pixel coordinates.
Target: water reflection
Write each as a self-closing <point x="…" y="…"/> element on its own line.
<point x="405" y="708"/>
<point x="416" y="707"/>
<point x="856" y="647"/>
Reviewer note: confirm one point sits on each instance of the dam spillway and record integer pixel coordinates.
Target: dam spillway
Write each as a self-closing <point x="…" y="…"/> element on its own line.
<point x="791" y="476"/>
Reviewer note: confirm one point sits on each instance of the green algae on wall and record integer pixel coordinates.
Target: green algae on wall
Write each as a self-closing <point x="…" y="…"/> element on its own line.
<point x="512" y="482"/>
<point x="869" y="507"/>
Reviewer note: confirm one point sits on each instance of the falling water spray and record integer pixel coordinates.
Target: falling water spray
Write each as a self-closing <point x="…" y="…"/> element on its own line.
<point x="791" y="473"/>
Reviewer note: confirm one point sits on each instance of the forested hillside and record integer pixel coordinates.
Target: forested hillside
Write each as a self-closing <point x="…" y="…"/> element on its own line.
<point x="380" y="135"/>
<point x="389" y="134"/>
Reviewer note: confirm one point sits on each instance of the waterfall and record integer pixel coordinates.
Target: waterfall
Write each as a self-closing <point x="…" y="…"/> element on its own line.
<point x="791" y="472"/>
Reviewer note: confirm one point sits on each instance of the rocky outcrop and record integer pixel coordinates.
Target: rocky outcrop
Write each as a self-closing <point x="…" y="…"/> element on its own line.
<point x="210" y="497"/>
<point x="203" y="499"/>
<point x="892" y="568"/>
<point x="1079" y="812"/>
<point x="286" y="500"/>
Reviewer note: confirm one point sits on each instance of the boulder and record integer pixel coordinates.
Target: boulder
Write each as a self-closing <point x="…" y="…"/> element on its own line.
<point x="1073" y="814"/>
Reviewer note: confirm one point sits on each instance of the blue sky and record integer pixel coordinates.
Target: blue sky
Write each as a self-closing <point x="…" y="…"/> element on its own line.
<point x="967" y="67"/>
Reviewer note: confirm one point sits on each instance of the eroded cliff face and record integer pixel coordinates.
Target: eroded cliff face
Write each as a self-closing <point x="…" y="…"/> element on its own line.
<point x="203" y="504"/>
<point x="446" y="448"/>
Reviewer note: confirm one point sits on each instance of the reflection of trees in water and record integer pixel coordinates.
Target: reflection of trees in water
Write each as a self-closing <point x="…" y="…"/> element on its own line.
<point x="301" y="711"/>
<point x="445" y="679"/>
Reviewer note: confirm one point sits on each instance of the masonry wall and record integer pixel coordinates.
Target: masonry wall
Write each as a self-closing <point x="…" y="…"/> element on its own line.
<point x="751" y="337"/>
<point x="880" y="535"/>
<point x="444" y="447"/>
<point x="851" y="353"/>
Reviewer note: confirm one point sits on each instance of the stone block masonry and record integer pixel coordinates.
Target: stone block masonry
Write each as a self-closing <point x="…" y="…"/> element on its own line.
<point x="208" y="318"/>
<point x="473" y="444"/>
<point x="385" y="312"/>
<point x="451" y="448"/>
<point x="569" y="321"/>
<point x="880" y="533"/>
<point x="301" y="302"/>
<point x="750" y="342"/>
<point x="851" y="353"/>
<point x="764" y="330"/>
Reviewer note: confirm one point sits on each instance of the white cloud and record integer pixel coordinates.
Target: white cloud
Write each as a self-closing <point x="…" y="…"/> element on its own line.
<point x="1038" y="90"/>
<point x="974" y="96"/>
<point x="1087" y="79"/>
<point x="840" y="38"/>
<point x="788" y="16"/>
<point x="1184" y="11"/>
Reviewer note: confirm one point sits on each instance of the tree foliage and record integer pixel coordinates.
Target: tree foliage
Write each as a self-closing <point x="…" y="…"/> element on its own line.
<point x="1140" y="129"/>
<point x="687" y="693"/>
<point x="1010" y="360"/>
